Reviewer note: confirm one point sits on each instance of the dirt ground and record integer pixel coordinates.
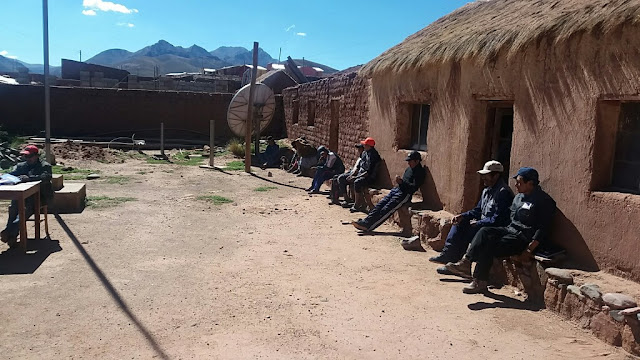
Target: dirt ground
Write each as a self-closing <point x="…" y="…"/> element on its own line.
<point x="273" y="274"/>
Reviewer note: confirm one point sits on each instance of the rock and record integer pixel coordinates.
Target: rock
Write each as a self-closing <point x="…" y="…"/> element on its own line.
<point x="563" y="276"/>
<point x="553" y="282"/>
<point x="605" y="308"/>
<point x="617" y="301"/>
<point x="412" y="243"/>
<point x="592" y="291"/>
<point x="269" y="174"/>
<point x="630" y="311"/>
<point x="68" y="168"/>
<point x="576" y="291"/>
<point x="93" y="176"/>
<point x="615" y="314"/>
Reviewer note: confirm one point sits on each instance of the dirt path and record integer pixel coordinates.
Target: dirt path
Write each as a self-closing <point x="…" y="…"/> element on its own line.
<point x="272" y="275"/>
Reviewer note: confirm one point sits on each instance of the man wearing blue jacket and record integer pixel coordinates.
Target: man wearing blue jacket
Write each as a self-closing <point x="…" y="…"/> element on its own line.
<point x="492" y="210"/>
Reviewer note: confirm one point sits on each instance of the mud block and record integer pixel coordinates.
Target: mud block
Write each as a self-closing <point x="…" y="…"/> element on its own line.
<point x="57" y="181"/>
<point x="70" y="199"/>
<point x="607" y="329"/>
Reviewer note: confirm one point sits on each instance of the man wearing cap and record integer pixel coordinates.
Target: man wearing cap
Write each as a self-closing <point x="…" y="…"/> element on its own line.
<point x="32" y="169"/>
<point x="492" y="210"/>
<point x="409" y="183"/>
<point x="339" y="183"/>
<point x="329" y="164"/>
<point x="367" y="174"/>
<point x="532" y="212"/>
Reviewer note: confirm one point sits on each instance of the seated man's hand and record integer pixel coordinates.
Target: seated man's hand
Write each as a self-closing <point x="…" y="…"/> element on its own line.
<point x="24" y="178"/>
<point x="456" y="219"/>
<point x="398" y="180"/>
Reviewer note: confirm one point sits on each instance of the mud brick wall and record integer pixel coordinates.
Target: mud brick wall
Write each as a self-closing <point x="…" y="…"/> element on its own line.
<point x="92" y="112"/>
<point x="349" y="95"/>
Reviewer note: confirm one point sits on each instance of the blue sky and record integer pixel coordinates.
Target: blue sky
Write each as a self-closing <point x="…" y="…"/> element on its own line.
<point x="336" y="33"/>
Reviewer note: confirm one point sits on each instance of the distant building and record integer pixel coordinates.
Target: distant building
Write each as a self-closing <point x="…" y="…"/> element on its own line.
<point x="91" y="75"/>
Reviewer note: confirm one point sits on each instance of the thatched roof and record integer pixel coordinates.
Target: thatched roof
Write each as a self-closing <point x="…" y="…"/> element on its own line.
<point x="482" y="29"/>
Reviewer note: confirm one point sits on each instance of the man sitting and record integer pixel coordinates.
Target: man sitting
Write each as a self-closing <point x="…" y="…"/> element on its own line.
<point x="339" y="183"/>
<point x="329" y="164"/>
<point x="32" y="169"/>
<point x="492" y="210"/>
<point x="532" y="212"/>
<point x="366" y="175"/>
<point x="271" y="155"/>
<point x="411" y="181"/>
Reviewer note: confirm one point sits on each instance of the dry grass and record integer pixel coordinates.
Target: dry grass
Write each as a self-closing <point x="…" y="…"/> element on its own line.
<point x="482" y="29"/>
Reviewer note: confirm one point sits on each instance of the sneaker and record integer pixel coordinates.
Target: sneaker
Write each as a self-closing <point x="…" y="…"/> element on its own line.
<point x="442" y="270"/>
<point x="355" y="209"/>
<point x="461" y="268"/>
<point x="346" y="204"/>
<point x="308" y="189"/>
<point x="4" y="236"/>
<point x="476" y="287"/>
<point x="359" y="226"/>
<point x="312" y="192"/>
<point x="440" y="259"/>
<point x="334" y="203"/>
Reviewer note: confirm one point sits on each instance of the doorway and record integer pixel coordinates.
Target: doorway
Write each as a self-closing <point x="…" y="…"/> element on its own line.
<point x="334" y="125"/>
<point x="500" y="134"/>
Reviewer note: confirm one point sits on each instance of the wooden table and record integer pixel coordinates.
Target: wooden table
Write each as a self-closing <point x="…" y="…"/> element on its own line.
<point x="20" y="193"/>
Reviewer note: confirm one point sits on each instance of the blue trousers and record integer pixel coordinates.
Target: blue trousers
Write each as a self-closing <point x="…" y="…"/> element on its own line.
<point x="13" y="223"/>
<point x="458" y="240"/>
<point x="385" y="208"/>
<point x="320" y="177"/>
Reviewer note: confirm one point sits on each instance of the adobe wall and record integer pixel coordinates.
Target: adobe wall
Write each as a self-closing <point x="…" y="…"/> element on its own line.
<point x="351" y="92"/>
<point x="91" y="112"/>
<point x="558" y="93"/>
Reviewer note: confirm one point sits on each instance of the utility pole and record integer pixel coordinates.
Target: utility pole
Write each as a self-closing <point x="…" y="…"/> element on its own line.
<point x="47" y="104"/>
<point x="250" y="110"/>
<point x="80" y="55"/>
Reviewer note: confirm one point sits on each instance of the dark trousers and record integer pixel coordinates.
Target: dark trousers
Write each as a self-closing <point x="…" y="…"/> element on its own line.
<point x="492" y="242"/>
<point x="320" y="176"/>
<point x="339" y="186"/>
<point x="13" y="223"/>
<point x="458" y="240"/>
<point x="385" y="208"/>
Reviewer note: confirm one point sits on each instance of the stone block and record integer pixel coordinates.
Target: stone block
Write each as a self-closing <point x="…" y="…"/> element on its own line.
<point x="592" y="291"/>
<point x="434" y="228"/>
<point x="70" y="199"/>
<point x="57" y="181"/>
<point x="617" y="301"/>
<point x="607" y="329"/>
<point x="631" y="338"/>
<point x="563" y="276"/>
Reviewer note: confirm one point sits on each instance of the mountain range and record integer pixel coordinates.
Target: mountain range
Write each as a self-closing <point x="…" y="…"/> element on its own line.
<point x="165" y="58"/>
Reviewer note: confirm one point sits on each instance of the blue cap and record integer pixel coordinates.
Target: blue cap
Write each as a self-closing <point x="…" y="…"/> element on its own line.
<point x="528" y="174"/>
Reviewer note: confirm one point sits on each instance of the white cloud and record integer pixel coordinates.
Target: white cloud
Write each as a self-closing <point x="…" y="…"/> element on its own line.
<point x="106" y="6"/>
<point x="129" y="25"/>
<point x="290" y="27"/>
<point x="5" y="53"/>
<point x="89" y="12"/>
<point x="301" y="34"/>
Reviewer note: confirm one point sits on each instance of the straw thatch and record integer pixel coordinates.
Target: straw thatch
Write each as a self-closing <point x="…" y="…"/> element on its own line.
<point x="482" y="29"/>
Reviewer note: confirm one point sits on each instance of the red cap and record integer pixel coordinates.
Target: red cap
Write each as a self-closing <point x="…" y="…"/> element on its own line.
<point x="30" y="150"/>
<point x="368" y="141"/>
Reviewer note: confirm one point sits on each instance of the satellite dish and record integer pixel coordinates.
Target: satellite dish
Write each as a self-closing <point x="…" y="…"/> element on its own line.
<point x="238" y="113"/>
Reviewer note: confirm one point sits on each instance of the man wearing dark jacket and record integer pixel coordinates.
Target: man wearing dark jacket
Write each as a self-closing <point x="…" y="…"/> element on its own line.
<point x="409" y="183"/>
<point x="492" y="210"/>
<point x="532" y="212"/>
<point x="32" y="169"/>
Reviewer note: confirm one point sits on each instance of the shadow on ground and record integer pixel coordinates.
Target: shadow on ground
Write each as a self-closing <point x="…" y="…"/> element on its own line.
<point x="112" y="291"/>
<point x="15" y="262"/>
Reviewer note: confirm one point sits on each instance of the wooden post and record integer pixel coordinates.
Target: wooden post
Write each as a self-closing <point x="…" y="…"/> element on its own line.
<point x="162" y="139"/>
<point x="211" y="133"/>
<point x="257" y="118"/>
<point x="249" y="123"/>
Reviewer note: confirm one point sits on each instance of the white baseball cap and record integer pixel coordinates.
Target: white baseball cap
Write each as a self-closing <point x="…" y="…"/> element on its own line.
<point x="491" y="166"/>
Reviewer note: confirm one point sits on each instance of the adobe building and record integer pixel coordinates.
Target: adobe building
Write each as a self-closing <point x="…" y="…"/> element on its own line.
<point x="550" y="84"/>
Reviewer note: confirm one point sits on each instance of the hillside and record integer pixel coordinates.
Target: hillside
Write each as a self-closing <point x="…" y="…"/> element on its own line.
<point x="11" y="65"/>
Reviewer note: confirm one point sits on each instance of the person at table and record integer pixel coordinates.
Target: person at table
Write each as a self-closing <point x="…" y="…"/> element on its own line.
<point x="32" y="169"/>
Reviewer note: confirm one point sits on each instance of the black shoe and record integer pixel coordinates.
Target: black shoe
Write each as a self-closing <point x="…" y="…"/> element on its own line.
<point x="442" y="270"/>
<point x="355" y="209"/>
<point x="346" y="204"/>
<point x="441" y="259"/>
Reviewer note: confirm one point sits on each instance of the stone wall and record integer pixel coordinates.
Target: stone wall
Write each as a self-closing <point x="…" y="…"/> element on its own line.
<point x="87" y="112"/>
<point x="343" y="97"/>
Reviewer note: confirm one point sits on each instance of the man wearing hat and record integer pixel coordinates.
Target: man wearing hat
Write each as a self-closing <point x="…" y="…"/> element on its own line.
<point x="32" y="169"/>
<point x="409" y="183"/>
<point x="532" y="212"/>
<point x="492" y="210"/>
<point x="367" y="174"/>
<point x="340" y="182"/>
<point x="329" y="165"/>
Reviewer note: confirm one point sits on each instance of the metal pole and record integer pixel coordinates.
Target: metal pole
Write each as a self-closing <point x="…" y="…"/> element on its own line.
<point x="47" y="103"/>
<point x="162" y="139"/>
<point x="249" y="123"/>
<point x="212" y="149"/>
